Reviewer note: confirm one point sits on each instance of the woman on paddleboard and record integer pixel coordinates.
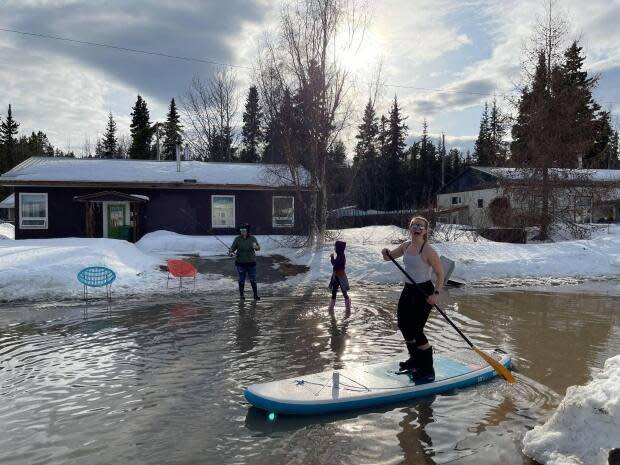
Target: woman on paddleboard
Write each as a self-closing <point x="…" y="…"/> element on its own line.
<point x="415" y="304"/>
<point x="244" y="248"/>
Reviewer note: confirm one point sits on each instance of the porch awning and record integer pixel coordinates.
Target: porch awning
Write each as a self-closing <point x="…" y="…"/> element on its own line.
<point x="111" y="196"/>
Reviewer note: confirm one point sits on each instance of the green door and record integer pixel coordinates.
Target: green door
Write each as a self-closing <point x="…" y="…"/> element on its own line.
<point x="116" y="220"/>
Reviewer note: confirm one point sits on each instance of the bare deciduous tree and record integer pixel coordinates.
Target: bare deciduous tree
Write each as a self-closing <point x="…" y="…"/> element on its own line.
<point x="211" y="107"/>
<point x="306" y="59"/>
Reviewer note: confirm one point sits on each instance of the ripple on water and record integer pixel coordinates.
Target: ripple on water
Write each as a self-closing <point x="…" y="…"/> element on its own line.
<point x="163" y="382"/>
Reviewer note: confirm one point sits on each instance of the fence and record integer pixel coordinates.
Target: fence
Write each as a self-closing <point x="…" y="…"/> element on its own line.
<point x="353" y="218"/>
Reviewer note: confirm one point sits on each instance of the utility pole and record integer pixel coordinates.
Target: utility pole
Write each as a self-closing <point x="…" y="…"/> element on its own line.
<point x="443" y="156"/>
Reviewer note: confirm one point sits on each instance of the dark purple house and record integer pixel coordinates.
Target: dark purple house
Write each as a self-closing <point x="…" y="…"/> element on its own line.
<point x="73" y="197"/>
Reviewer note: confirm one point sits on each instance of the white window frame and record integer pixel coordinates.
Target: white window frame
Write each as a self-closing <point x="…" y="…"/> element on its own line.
<point x="273" y="212"/>
<point x="234" y="213"/>
<point x="478" y="203"/>
<point x="459" y="200"/>
<point x="21" y="216"/>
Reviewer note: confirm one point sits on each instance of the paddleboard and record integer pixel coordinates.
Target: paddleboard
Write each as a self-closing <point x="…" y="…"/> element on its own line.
<point x="370" y="385"/>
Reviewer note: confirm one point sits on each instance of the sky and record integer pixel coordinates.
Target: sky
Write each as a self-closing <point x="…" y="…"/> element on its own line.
<point x="442" y="59"/>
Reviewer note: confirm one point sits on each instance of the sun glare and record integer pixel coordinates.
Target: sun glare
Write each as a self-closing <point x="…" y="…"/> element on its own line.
<point x="360" y="58"/>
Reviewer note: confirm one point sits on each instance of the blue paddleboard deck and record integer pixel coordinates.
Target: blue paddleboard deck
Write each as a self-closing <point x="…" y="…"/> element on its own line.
<point x="370" y="385"/>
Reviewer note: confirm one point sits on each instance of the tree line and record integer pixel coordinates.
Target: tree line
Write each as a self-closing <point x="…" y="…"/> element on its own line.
<point x="298" y="103"/>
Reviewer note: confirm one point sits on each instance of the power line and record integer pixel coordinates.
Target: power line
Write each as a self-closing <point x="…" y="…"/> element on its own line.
<point x="251" y="68"/>
<point x="124" y="49"/>
<point x="212" y="62"/>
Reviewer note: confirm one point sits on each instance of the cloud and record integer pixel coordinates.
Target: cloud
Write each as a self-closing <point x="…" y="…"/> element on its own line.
<point x="187" y="28"/>
<point x="470" y="48"/>
<point x="67" y="89"/>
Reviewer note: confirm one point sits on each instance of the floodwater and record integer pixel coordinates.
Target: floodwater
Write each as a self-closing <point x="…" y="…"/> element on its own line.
<point x="162" y="382"/>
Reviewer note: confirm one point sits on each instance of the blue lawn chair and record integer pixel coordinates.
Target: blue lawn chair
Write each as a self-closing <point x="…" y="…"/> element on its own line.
<point x="97" y="276"/>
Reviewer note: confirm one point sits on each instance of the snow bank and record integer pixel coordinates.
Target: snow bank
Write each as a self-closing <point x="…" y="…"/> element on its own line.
<point x="475" y="261"/>
<point x="491" y="260"/>
<point x="585" y="426"/>
<point x="47" y="268"/>
<point x="33" y="269"/>
<point x="7" y="231"/>
<point x="167" y="243"/>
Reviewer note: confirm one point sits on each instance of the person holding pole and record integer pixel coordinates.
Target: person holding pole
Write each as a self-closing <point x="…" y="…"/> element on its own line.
<point x="416" y="301"/>
<point x="244" y="249"/>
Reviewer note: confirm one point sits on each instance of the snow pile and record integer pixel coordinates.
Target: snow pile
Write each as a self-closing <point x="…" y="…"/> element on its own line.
<point x="47" y="268"/>
<point x="170" y="243"/>
<point x="32" y="269"/>
<point x="475" y="261"/>
<point x="585" y="426"/>
<point x="492" y="260"/>
<point x="7" y="231"/>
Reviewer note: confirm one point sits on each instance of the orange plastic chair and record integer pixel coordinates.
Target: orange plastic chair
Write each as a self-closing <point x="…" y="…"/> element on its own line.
<point x="180" y="269"/>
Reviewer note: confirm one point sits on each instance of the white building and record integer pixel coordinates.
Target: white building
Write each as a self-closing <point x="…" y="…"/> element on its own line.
<point x="470" y="194"/>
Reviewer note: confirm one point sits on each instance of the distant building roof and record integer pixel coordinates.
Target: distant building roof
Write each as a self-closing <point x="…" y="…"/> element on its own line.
<point x="519" y="173"/>
<point x="8" y="202"/>
<point x="484" y="177"/>
<point x="51" y="170"/>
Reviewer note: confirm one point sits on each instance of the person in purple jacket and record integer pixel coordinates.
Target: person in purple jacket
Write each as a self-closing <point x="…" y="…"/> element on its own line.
<point x="339" y="276"/>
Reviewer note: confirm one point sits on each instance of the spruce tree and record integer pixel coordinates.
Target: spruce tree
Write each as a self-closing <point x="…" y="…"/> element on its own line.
<point x="141" y="131"/>
<point x="173" y="132"/>
<point x="368" y="180"/>
<point x="282" y="135"/>
<point x="497" y="132"/>
<point x="251" y="132"/>
<point x="109" y="145"/>
<point x="393" y="157"/>
<point x="483" y="147"/>
<point x="8" y="149"/>
<point x="382" y="138"/>
<point x="456" y="163"/>
<point x="428" y="178"/>
<point x="336" y="174"/>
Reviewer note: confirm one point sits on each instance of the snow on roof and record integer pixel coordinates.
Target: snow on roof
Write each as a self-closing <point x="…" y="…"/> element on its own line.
<point x="9" y="202"/>
<point x="97" y="170"/>
<point x="518" y="173"/>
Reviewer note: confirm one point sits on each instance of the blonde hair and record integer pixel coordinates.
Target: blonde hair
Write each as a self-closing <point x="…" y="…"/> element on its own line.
<point x="425" y="222"/>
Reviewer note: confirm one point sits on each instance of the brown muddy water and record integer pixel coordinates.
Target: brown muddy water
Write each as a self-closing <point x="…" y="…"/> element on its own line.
<point x="162" y="382"/>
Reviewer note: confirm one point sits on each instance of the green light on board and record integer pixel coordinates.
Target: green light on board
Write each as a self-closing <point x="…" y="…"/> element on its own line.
<point x="271" y="416"/>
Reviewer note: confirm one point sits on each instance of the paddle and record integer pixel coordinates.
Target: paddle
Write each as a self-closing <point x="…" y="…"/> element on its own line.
<point x="224" y="244"/>
<point x="501" y="369"/>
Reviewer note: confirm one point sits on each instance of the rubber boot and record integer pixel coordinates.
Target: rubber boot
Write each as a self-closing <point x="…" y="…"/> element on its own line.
<point x="255" y="290"/>
<point x="347" y="304"/>
<point x="332" y="304"/>
<point x="425" y="372"/>
<point x="241" y="286"/>
<point x="411" y="363"/>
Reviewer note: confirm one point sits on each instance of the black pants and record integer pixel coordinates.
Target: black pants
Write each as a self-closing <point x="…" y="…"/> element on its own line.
<point x="335" y="285"/>
<point x="413" y="311"/>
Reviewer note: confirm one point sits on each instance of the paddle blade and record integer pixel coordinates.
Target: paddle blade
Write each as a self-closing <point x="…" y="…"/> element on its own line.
<point x="501" y="369"/>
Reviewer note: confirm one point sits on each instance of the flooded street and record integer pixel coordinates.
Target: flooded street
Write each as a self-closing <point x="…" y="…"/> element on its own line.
<point x="162" y="382"/>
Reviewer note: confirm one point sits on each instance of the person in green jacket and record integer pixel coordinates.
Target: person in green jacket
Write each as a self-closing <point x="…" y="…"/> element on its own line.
<point x="244" y="248"/>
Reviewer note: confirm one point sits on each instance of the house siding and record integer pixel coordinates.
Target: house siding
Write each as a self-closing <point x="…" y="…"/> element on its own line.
<point x="184" y="211"/>
<point x="472" y="215"/>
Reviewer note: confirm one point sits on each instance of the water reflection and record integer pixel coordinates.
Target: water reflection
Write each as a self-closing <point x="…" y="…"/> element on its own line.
<point x="247" y="332"/>
<point x="338" y="335"/>
<point x="162" y="381"/>
<point x="414" y="439"/>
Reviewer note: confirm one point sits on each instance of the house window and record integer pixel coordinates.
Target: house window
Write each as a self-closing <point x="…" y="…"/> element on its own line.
<point x="32" y="211"/>
<point x="480" y="203"/>
<point x="456" y="200"/>
<point x="283" y="212"/>
<point x="223" y="211"/>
